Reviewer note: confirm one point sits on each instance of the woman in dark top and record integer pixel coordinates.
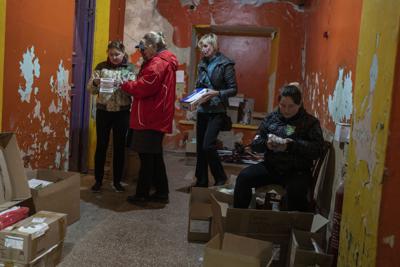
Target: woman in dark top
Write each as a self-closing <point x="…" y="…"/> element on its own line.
<point x="112" y="111"/>
<point x="217" y="73"/>
<point x="291" y="140"/>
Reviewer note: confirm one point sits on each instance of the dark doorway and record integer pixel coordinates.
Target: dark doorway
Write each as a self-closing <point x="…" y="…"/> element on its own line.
<point x="81" y="70"/>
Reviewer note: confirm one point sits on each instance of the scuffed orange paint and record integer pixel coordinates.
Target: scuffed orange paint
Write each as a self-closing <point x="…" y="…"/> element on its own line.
<point x="332" y="32"/>
<point x="284" y="17"/>
<point x="50" y="33"/>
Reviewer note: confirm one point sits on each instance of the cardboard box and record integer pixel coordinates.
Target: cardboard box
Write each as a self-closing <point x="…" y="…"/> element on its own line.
<point x="306" y="250"/>
<point x="23" y="247"/>
<point x="235" y="101"/>
<point x="19" y="186"/>
<point x="272" y="226"/>
<point x="199" y="215"/>
<point x="237" y="251"/>
<point x="50" y="258"/>
<point x="199" y="225"/>
<point x="63" y="195"/>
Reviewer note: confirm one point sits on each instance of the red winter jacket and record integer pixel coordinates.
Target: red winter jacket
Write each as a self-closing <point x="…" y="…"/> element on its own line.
<point x="154" y="93"/>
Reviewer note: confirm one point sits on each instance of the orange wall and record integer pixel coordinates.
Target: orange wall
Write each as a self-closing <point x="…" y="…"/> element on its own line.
<point x="285" y="17"/>
<point x="389" y="220"/>
<point x="117" y="18"/>
<point x="251" y="68"/>
<point x="39" y="117"/>
<point x="325" y="56"/>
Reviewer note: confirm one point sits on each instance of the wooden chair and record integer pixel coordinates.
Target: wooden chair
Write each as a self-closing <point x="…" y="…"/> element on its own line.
<point x="318" y="175"/>
<point x="318" y="172"/>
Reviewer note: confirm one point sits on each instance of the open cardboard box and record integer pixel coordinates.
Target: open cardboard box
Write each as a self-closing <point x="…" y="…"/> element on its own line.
<point x="23" y="247"/>
<point x="19" y="189"/>
<point x="272" y="226"/>
<point x="63" y="195"/>
<point x="306" y="250"/>
<point x="51" y="258"/>
<point x="199" y="225"/>
<point x="237" y="251"/>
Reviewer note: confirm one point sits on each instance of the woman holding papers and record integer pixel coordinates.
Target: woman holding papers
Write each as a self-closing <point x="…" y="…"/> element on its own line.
<point x="152" y="115"/>
<point x="216" y="72"/>
<point x="291" y="140"/>
<point x="112" y="111"/>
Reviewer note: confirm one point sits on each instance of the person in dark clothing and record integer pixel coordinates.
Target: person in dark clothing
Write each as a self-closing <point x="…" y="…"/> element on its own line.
<point x="291" y="139"/>
<point x="152" y="115"/>
<point x="217" y="73"/>
<point x="112" y="111"/>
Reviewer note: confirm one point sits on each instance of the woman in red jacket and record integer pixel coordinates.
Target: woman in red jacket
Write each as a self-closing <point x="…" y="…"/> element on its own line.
<point x="152" y="114"/>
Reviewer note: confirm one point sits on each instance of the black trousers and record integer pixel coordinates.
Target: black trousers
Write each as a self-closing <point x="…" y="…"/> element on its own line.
<point x="118" y="122"/>
<point x="208" y="127"/>
<point x="254" y="176"/>
<point x="152" y="172"/>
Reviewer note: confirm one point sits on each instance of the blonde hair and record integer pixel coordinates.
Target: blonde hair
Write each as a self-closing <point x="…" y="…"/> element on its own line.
<point x="155" y="39"/>
<point x="209" y="38"/>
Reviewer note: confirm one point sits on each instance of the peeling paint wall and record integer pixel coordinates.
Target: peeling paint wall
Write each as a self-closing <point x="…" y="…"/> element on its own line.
<point x="176" y="18"/>
<point x="38" y="52"/>
<point x="330" y="52"/>
<point x="377" y="52"/>
<point x="340" y="104"/>
<point x="332" y="30"/>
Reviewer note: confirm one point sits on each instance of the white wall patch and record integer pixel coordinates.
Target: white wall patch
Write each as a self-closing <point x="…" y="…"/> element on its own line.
<point x="340" y="105"/>
<point x="30" y="68"/>
<point x="36" y="113"/>
<point x="63" y="87"/>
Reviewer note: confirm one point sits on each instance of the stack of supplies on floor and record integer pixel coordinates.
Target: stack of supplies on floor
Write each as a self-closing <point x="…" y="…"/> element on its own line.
<point x="34" y="241"/>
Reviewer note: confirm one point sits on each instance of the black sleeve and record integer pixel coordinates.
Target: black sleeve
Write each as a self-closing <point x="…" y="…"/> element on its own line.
<point x="261" y="138"/>
<point x="230" y="81"/>
<point x="198" y="84"/>
<point x="310" y="147"/>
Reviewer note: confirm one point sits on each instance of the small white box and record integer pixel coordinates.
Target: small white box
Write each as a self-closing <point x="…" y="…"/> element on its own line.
<point x="107" y="85"/>
<point x="191" y="101"/>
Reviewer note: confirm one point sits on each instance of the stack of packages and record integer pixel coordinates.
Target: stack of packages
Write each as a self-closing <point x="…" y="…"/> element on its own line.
<point x="35" y="240"/>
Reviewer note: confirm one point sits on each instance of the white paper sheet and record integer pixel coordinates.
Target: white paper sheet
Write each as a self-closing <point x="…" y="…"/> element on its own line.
<point x="180" y="76"/>
<point x="36" y="183"/>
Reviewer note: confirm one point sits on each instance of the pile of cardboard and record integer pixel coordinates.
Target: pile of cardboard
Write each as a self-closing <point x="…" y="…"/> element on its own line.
<point x="213" y="208"/>
<point x="62" y="194"/>
<point x="54" y="195"/>
<point x="34" y="241"/>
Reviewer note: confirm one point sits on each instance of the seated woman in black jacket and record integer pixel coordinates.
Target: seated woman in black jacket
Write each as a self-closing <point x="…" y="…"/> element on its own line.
<point x="291" y="140"/>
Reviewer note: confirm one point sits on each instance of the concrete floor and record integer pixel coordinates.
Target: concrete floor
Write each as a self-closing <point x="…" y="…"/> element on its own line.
<point x="112" y="232"/>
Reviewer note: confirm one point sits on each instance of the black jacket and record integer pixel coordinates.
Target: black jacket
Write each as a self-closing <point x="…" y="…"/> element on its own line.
<point x="308" y="143"/>
<point x="223" y="79"/>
